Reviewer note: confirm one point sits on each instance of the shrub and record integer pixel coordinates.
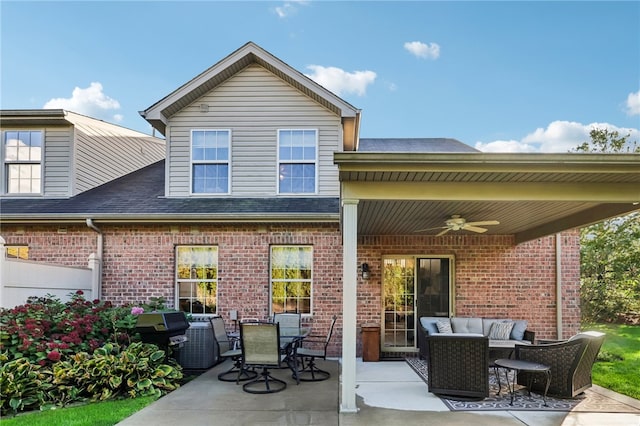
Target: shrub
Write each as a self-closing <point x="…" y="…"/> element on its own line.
<point x="109" y="373"/>
<point x="45" y="329"/>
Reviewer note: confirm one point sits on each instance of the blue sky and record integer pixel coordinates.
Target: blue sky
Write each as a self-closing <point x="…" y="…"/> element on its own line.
<point x="499" y="76"/>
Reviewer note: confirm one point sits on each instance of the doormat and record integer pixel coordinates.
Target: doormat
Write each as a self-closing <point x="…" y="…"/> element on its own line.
<point x="588" y="401"/>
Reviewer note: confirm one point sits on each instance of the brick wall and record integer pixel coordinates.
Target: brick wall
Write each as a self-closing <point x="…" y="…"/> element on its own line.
<point x="493" y="277"/>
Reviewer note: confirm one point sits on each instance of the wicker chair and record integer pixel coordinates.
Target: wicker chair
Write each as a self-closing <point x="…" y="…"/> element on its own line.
<point x="570" y="361"/>
<point x="229" y="348"/>
<point x="261" y="349"/>
<point x="458" y="365"/>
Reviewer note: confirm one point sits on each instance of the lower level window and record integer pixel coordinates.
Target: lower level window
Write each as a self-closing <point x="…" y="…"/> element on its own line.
<point x="291" y="279"/>
<point x="17" y="252"/>
<point x="197" y="278"/>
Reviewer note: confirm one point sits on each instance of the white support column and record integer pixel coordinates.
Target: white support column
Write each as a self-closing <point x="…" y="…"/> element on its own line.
<point x="349" y="304"/>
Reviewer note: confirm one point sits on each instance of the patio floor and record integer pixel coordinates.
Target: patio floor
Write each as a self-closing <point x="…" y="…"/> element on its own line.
<point x="388" y="393"/>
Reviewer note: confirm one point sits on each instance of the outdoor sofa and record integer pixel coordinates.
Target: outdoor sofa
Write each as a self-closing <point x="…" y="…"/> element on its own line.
<point x="501" y="333"/>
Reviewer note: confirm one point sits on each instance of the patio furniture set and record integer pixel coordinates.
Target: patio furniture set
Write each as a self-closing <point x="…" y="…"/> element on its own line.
<point x="262" y="346"/>
<point x="458" y="363"/>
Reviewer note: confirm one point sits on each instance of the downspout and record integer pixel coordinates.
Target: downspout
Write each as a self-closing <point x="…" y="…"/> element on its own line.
<point x="99" y="243"/>
<point x="559" y="286"/>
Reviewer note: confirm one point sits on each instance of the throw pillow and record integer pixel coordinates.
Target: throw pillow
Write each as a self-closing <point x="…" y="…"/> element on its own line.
<point x="444" y="327"/>
<point x="500" y="330"/>
<point x="519" y="327"/>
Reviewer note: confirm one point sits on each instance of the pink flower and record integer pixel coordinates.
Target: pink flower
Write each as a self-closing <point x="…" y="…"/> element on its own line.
<point x="53" y="356"/>
<point x="136" y="310"/>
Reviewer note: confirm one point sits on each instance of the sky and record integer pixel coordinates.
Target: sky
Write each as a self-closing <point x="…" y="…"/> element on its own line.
<point x="505" y="76"/>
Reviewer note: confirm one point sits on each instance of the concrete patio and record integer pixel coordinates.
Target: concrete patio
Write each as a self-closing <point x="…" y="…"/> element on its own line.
<point x="389" y="393"/>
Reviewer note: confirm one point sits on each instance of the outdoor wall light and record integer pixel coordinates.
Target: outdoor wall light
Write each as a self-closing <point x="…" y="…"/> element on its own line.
<point x="365" y="271"/>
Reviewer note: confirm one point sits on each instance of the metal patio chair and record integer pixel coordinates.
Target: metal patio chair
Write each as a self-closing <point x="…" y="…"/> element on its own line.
<point x="309" y="372"/>
<point x="261" y="349"/>
<point x="228" y="347"/>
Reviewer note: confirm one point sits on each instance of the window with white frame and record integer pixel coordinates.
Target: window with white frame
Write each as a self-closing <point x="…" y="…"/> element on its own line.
<point x="297" y="158"/>
<point x="23" y="161"/>
<point x="197" y="279"/>
<point x="210" y="161"/>
<point x="291" y="279"/>
<point x="17" y="252"/>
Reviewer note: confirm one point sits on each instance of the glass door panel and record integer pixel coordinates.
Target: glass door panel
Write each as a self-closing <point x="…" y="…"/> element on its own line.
<point x="433" y="282"/>
<point x="399" y="297"/>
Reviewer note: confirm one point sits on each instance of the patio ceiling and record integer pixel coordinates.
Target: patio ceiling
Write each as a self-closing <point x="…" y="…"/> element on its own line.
<point x="531" y="195"/>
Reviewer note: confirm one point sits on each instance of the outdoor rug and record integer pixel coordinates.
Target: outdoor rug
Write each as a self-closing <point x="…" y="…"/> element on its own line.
<point x="589" y="401"/>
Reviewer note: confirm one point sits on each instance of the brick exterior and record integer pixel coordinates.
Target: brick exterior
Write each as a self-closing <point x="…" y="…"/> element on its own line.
<point x="493" y="277"/>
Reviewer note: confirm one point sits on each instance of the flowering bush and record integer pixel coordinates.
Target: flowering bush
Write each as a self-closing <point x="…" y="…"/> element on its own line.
<point x="45" y="329"/>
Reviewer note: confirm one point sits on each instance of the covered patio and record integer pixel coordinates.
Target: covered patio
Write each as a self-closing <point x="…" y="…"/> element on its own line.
<point x="385" y="194"/>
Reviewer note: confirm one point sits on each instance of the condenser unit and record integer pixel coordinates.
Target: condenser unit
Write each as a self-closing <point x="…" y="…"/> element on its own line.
<point x="201" y="350"/>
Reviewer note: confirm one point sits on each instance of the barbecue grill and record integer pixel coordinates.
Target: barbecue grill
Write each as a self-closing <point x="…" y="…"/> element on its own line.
<point x="164" y="329"/>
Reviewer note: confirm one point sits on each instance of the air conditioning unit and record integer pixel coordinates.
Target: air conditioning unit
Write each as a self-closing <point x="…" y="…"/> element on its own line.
<point x="201" y="350"/>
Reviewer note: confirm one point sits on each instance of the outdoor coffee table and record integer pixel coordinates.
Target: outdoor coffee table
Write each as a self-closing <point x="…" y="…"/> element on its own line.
<point x="526" y="367"/>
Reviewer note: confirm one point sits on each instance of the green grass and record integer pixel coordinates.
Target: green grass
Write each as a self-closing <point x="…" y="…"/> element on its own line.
<point x="105" y="413"/>
<point x="619" y="359"/>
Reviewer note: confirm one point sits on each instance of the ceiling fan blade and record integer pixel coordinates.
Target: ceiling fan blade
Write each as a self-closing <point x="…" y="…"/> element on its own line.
<point x="429" y="229"/>
<point x="484" y="222"/>
<point x="475" y="229"/>
<point x="443" y="232"/>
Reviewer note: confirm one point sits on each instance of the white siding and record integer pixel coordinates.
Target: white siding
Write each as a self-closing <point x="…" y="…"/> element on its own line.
<point x="254" y="104"/>
<point x="104" y="152"/>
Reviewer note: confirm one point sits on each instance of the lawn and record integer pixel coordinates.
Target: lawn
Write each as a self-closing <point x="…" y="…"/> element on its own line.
<point x="106" y="413"/>
<point x="619" y="359"/>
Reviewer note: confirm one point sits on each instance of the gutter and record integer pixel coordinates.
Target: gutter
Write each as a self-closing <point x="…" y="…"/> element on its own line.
<point x="97" y="287"/>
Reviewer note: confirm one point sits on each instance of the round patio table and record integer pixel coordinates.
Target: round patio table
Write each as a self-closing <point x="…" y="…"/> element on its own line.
<point x="517" y="365"/>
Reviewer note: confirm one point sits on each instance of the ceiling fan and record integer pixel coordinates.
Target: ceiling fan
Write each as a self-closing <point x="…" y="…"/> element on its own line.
<point x="457" y="223"/>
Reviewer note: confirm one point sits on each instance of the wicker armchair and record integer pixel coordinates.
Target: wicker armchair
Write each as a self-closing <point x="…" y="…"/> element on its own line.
<point x="570" y="361"/>
<point x="457" y="365"/>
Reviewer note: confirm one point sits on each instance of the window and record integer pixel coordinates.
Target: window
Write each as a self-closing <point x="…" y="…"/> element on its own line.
<point x="197" y="278"/>
<point x="17" y="252"/>
<point x="210" y="161"/>
<point x="297" y="153"/>
<point x="22" y="160"/>
<point x="291" y="279"/>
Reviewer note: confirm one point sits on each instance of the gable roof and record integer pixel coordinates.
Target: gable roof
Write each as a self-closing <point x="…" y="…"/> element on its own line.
<point x="139" y="197"/>
<point x="158" y="113"/>
<point x="424" y="145"/>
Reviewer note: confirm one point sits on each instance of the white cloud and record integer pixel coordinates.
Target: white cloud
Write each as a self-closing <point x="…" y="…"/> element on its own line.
<point x="559" y="136"/>
<point x="423" y="50"/>
<point x="340" y="81"/>
<point x="289" y="8"/>
<point x="633" y="103"/>
<point x="90" y="101"/>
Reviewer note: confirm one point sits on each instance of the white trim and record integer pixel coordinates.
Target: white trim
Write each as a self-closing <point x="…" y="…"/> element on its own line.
<point x="217" y="162"/>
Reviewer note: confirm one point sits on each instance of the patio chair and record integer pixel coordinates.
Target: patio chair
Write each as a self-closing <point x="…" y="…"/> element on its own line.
<point x="261" y="349"/>
<point x="229" y="348"/>
<point x="458" y="366"/>
<point x="288" y="320"/>
<point x="571" y="362"/>
<point x="309" y="371"/>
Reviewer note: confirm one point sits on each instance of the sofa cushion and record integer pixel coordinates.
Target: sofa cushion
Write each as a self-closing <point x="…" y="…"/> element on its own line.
<point x="488" y="322"/>
<point x="429" y="324"/>
<point x="444" y="326"/>
<point x="500" y="330"/>
<point x="466" y="325"/>
<point x="519" y="327"/>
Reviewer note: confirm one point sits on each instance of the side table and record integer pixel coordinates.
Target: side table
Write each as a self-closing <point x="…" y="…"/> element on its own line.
<point x="526" y="367"/>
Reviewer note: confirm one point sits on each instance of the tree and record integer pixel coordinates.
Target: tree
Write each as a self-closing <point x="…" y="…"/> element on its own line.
<point x="610" y="250"/>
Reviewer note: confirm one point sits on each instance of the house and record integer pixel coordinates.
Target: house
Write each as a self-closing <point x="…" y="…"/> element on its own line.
<point x="268" y="200"/>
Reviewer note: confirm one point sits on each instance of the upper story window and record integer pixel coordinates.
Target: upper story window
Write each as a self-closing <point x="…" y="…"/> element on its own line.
<point x="197" y="279"/>
<point x="23" y="162"/>
<point x="210" y="161"/>
<point x="297" y="158"/>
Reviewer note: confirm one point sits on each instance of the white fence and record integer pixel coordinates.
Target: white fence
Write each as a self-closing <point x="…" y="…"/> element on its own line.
<point x="20" y="279"/>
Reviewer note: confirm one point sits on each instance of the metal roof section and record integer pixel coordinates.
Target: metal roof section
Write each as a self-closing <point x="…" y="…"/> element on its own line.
<point x="158" y="114"/>
<point x="424" y="145"/>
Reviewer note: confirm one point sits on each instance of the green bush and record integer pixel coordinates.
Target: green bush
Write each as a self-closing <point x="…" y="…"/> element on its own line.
<point x="108" y="373"/>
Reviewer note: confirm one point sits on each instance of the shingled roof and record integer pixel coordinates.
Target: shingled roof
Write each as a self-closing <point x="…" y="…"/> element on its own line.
<point x="139" y="196"/>
<point x="425" y="145"/>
